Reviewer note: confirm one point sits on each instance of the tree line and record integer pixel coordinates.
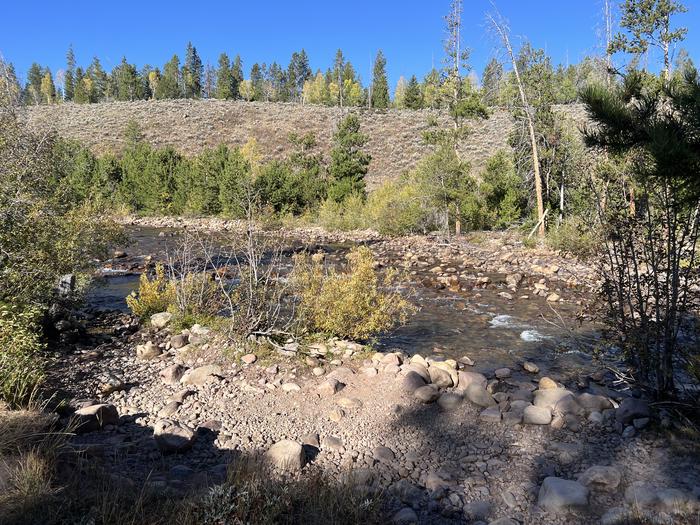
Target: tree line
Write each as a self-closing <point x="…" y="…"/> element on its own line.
<point x="339" y="85"/>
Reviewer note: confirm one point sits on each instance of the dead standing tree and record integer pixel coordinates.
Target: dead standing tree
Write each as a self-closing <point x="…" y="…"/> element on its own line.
<point x="501" y="28"/>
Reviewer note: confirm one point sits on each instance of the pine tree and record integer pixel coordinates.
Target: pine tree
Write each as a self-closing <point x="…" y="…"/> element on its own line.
<point x="192" y="73"/>
<point x="380" y="85"/>
<point x="491" y="83"/>
<point x="256" y="80"/>
<point x="33" y="88"/>
<point x="237" y="75"/>
<point x="100" y="82"/>
<point x="338" y="72"/>
<point x="413" y="98"/>
<point x="169" y="84"/>
<point x="349" y="164"/>
<point x="126" y="81"/>
<point x="69" y="78"/>
<point x="224" y="78"/>
<point x="648" y="23"/>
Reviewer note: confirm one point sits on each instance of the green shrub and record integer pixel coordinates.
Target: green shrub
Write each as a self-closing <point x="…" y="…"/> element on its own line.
<point x="575" y="236"/>
<point x="347" y="215"/>
<point x="355" y="304"/>
<point x="21" y="362"/>
<point x="398" y="208"/>
<point x="503" y="191"/>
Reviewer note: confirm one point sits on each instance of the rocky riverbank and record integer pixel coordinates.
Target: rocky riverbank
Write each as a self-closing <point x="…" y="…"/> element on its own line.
<point x="447" y="444"/>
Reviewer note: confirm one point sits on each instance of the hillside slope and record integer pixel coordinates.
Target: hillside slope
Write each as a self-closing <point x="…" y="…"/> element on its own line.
<point x="395" y="136"/>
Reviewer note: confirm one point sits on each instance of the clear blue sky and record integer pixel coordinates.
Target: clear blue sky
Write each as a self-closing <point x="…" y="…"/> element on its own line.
<point x="409" y="32"/>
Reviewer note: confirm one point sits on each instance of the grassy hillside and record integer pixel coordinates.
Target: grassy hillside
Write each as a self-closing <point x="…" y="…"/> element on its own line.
<point x="395" y="142"/>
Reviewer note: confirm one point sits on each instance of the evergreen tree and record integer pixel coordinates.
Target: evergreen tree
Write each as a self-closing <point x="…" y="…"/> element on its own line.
<point x="338" y="74"/>
<point x="33" y="87"/>
<point x="298" y="73"/>
<point x="413" y="98"/>
<point x="380" y="85"/>
<point x="126" y="81"/>
<point x="144" y="82"/>
<point x="648" y="23"/>
<point x="169" y="84"/>
<point x="256" y="80"/>
<point x="349" y="164"/>
<point x="237" y="74"/>
<point x="491" y="83"/>
<point x="224" y="79"/>
<point x="69" y="78"/>
<point x="99" y="89"/>
<point x="83" y="87"/>
<point x="192" y="73"/>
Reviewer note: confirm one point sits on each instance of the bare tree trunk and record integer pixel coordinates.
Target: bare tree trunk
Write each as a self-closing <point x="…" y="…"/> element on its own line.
<point x="502" y="31"/>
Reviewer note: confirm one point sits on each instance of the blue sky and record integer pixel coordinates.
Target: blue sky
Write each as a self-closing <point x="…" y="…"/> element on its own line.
<point x="409" y="32"/>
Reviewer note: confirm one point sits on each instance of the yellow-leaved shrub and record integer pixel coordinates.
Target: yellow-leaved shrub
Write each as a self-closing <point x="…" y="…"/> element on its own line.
<point x="357" y="304"/>
<point x="154" y="295"/>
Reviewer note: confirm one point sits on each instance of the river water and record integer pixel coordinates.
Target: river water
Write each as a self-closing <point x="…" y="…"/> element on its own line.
<point x="490" y="329"/>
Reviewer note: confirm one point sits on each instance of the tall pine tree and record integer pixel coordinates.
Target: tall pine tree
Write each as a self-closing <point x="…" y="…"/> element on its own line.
<point x="224" y="78"/>
<point x="192" y="73"/>
<point x="380" y="85"/>
<point x="69" y="78"/>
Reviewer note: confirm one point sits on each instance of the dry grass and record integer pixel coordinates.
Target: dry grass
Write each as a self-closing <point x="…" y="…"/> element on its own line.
<point x="396" y="143"/>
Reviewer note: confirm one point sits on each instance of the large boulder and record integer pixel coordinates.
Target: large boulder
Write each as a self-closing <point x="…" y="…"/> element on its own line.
<point x="467" y="378"/>
<point x="440" y="377"/>
<point x="559" y="495"/>
<point x="478" y="395"/>
<point x="412" y="381"/>
<point x="161" y="320"/>
<point x="548" y="398"/>
<point x="95" y="417"/>
<point x="632" y="408"/>
<point x="427" y="393"/>
<point x="286" y="455"/>
<point x="533" y="415"/>
<point x="593" y="403"/>
<point x="201" y="375"/>
<point x="172" y="437"/>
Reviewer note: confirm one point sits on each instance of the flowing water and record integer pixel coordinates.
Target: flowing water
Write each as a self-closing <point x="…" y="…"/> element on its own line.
<point x="492" y="330"/>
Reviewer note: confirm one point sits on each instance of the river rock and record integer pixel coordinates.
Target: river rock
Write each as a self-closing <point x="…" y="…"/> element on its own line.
<point x="478" y="395"/>
<point x="600" y="477"/>
<point x="533" y="415"/>
<point x="546" y="383"/>
<point x="631" y="408"/>
<point x="172" y="374"/>
<point x="491" y="414"/>
<point x="290" y="387"/>
<point x="418" y="369"/>
<point x="110" y="383"/>
<point x="161" y="320"/>
<point x="427" y="393"/>
<point x="350" y="403"/>
<point x="593" y="403"/>
<point x="467" y="378"/>
<point x="201" y="375"/>
<point x="383" y="455"/>
<point x="550" y="397"/>
<point x="531" y="367"/>
<point x="94" y="417"/>
<point x="406" y="516"/>
<point x="249" y="359"/>
<point x="503" y="373"/>
<point x="412" y="381"/>
<point x="440" y="377"/>
<point x="148" y="351"/>
<point x="329" y="387"/>
<point x="179" y="340"/>
<point x="558" y="495"/>
<point x="286" y="455"/>
<point x="172" y="437"/>
<point x="450" y="401"/>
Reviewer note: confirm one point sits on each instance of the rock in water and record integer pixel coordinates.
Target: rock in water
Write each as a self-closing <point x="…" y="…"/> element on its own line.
<point x="559" y="495"/>
<point x="172" y="437"/>
<point x="286" y="455"/>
